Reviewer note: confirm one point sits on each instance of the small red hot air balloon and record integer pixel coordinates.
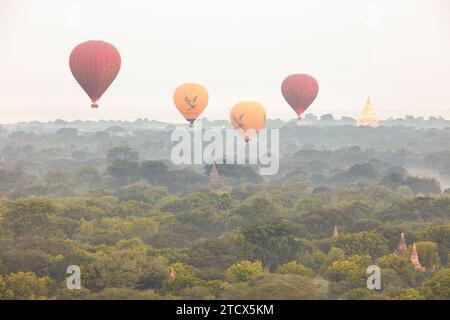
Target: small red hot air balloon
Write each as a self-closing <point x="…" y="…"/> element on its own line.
<point x="299" y="90"/>
<point x="95" y="65"/>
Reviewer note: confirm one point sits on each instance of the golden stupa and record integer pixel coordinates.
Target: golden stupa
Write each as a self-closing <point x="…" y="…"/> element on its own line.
<point x="368" y="116"/>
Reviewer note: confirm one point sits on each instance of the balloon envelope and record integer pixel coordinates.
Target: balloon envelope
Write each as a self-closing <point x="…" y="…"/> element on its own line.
<point x="300" y="90"/>
<point x="95" y="65"/>
<point x="248" y="115"/>
<point x="190" y="99"/>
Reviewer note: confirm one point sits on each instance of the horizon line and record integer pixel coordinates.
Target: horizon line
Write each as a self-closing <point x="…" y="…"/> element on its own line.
<point x="318" y="118"/>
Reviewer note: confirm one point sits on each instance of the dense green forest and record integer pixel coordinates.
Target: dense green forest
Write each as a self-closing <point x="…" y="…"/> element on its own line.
<point x="106" y="197"/>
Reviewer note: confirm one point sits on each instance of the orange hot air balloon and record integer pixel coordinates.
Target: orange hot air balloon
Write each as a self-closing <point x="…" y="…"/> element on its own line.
<point x="190" y="99"/>
<point x="95" y="65"/>
<point x="248" y="115"/>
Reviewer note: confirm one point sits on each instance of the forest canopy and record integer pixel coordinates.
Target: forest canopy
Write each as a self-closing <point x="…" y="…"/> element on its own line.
<point x="105" y="196"/>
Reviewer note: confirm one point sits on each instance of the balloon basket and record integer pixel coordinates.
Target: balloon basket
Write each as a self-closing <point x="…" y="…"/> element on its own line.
<point x="94" y="106"/>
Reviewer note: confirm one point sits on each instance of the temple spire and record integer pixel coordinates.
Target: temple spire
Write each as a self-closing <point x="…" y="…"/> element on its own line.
<point x="402" y="248"/>
<point x="213" y="173"/>
<point x="415" y="259"/>
<point x="368" y="116"/>
<point x="335" y="233"/>
<point x="172" y="274"/>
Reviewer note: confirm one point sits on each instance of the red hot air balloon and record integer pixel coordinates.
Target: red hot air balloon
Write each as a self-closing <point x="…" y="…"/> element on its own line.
<point x="299" y="90"/>
<point x="95" y="65"/>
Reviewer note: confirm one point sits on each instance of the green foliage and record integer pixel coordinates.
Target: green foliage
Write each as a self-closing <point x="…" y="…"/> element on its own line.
<point x="347" y="271"/>
<point x="125" y="269"/>
<point x="76" y="196"/>
<point x="235" y="172"/>
<point x="124" y="294"/>
<point x="25" y="286"/>
<point x="122" y="153"/>
<point x="254" y="208"/>
<point x="358" y="294"/>
<point x="426" y="208"/>
<point x="439" y="234"/>
<point x="142" y="192"/>
<point x="313" y="221"/>
<point x="401" y="265"/>
<point x="274" y="242"/>
<point x="274" y="286"/>
<point x="294" y="268"/>
<point x="220" y="253"/>
<point x="428" y="254"/>
<point x="28" y="217"/>
<point x="245" y="271"/>
<point x="438" y="287"/>
<point x="186" y="277"/>
<point x="371" y="243"/>
<point x="335" y="254"/>
<point x="407" y="294"/>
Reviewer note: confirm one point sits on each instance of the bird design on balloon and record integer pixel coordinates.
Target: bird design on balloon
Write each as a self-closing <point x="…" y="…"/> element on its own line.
<point x="248" y="117"/>
<point x="238" y="121"/>
<point x="189" y="107"/>
<point x="191" y="103"/>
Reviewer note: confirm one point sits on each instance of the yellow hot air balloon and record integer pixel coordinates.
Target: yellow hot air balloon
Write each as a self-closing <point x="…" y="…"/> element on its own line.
<point x="190" y="99"/>
<point x="248" y="115"/>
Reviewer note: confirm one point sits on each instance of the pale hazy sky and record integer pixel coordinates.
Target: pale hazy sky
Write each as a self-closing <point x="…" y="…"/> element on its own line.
<point x="396" y="51"/>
